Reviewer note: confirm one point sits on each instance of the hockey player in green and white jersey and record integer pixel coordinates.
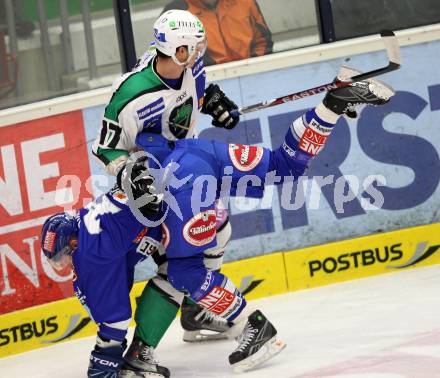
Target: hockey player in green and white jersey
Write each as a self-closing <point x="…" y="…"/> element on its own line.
<point x="163" y="94"/>
<point x="162" y="97"/>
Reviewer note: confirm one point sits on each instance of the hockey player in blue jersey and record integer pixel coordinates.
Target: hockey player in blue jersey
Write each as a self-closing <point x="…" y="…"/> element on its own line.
<point x="210" y="171"/>
<point x="102" y="243"/>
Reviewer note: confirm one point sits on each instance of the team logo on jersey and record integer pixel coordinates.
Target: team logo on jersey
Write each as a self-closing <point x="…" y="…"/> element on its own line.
<point x="180" y="119"/>
<point x="244" y="157"/>
<point x="200" y="229"/>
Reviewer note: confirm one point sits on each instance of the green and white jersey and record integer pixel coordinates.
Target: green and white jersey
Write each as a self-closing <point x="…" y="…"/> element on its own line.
<point x="141" y="101"/>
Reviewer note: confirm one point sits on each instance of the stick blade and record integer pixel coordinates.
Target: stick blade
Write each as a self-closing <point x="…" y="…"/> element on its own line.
<point x="391" y="45"/>
<point x="387" y="33"/>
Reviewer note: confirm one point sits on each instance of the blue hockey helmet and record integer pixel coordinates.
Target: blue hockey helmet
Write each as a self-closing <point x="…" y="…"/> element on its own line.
<point x="56" y="238"/>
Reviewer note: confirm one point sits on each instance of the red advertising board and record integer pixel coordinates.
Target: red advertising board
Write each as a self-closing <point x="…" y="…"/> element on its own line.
<point x="43" y="168"/>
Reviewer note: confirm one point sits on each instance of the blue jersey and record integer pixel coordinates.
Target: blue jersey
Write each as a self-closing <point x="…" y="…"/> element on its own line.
<point x="210" y="170"/>
<point x="110" y="243"/>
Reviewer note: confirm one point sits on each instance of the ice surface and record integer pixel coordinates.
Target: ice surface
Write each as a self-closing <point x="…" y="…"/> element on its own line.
<point x="381" y="327"/>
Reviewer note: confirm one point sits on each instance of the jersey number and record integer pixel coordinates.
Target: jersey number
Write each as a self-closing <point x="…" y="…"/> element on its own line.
<point x="110" y="134"/>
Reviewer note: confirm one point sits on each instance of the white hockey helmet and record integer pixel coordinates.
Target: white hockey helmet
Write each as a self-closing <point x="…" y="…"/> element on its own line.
<point x="177" y="28"/>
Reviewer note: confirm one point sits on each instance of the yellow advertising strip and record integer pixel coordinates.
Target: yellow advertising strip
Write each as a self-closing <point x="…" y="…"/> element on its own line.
<point x="48" y="324"/>
<point x="363" y="257"/>
<point x="261" y="276"/>
<point x="66" y="319"/>
<point x="43" y="325"/>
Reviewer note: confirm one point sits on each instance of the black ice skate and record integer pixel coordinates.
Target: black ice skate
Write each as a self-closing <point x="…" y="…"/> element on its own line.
<point x="257" y="343"/>
<point x="369" y="92"/>
<point x="201" y="325"/>
<point x="140" y="362"/>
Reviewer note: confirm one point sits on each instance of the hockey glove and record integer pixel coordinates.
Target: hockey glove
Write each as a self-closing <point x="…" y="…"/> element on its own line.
<point x="134" y="178"/>
<point x="106" y="361"/>
<point x="217" y="105"/>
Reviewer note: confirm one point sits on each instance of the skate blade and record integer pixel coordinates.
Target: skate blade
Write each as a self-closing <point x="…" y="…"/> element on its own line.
<point x="197" y="336"/>
<point x="139" y="374"/>
<point x="266" y="352"/>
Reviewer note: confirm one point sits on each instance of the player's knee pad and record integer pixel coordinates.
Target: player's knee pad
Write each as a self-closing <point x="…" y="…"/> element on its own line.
<point x="211" y="290"/>
<point x="213" y="257"/>
<point x="220" y="296"/>
<point x="187" y="274"/>
<point x="304" y="140"/>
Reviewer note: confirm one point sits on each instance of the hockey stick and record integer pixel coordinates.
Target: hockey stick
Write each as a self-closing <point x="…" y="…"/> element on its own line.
<point x="393" y="53"/>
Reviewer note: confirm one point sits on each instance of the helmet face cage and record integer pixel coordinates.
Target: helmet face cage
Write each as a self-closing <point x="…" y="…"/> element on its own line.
<point x="62" y="259"/>
<point x="56" y="239"/>
<point x="177" y="28"/>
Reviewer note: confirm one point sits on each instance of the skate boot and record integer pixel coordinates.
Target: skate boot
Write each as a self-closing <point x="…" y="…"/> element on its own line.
<point x="140" y="362"/>
<point x="369" y="92"/>
<point x="201" y="325"/>
<point x="256" y="344"/>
